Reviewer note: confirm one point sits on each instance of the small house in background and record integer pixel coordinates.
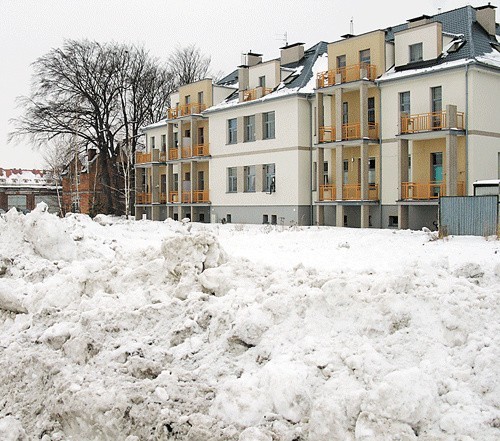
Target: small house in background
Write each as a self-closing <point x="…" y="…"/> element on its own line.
<point x="24" y="189"/>
<point x="82" y="190"/>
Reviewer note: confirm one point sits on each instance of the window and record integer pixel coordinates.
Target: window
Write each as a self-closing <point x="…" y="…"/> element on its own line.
<point x="232" y="180"/>
<point x="163" y="182"/>
<point x="201" y="180"/>
<point x="315" y="176"/>
<point x="404" y="103"/>
<point x="176" y="139"/>
<point x="200" y="97"/>
<point x="262" y="81"/>
<point x="249" y="128"/>
<point x="187" y="99"/>
<point x="201" y="135"/>
<point x="416" y="52"/>
<point x="341" y="61"/>
<point x="393" y="221"/>
<point x="371" y="110"/>
<point x="345" y="112"/>
<point x="325" y="173"/>
<point x="152" y="142"/>
<point x="436" y="106"/>
<point x="371" y="171"/>
<point x="176" y="181"/>
<point x="249" y="174"/>
<point x="269" y="178"/>
<point x="187" y="133"/>
<point x="364" y="56"/>
<point x="232" y="131"/>
<point x="269" y="125"/>
<point x="409" y="168"/>
<point x="228" y="218"/>
<point x="18" y="201"/>
<point x="274" y="219"/>
<point x="346" y="172"/>
<point x="163" y="142"/>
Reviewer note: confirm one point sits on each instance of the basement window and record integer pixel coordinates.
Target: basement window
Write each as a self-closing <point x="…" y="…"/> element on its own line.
<point x="393" y="221"/>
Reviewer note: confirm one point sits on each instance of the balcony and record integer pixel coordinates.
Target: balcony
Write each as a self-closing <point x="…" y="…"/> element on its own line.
<point x="349" y="132"/>
<point x="143" y="198"/>
<point x="142" y="158"/>
<point x="253" y="94"/>
<point x="350" y="192"/>
<point x="425" y="122"/>
<point x="185" y="110"/>
<point x="173" y="154"/>
<point x="163" y="198"/>
<point x="200" y="150"/>
<point x="427" y="190"/>
<point x="188" y="197"/>
<point x="346" y="74"/>
<point x="188" y="152"/>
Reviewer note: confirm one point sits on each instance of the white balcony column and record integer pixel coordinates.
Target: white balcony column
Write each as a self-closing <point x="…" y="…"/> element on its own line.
<point x="339" y="181"/>
<point x="338" y="116"/>
<point x="155" y="184"/>
<point x="365" y="209"/>
<point x="363" y="110"/>
<point x="320" y="209"/>
<point x="170" y="136"/>
<point x="403" y="210"/>
<point x="451" y="165"/>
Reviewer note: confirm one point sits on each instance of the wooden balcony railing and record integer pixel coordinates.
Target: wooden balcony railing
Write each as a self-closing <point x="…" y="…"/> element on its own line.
<point x="185" y="110"/>
<point x="346" y="74"/>
<point x="186" y="152"/>
<point x="143" y="198"/>
<point x="173" y="154"/>
<point x="163" y="198"/>
<point x="353" y="192"/>
<point x="427" y="190"/>
<point x="173" y="197"/>
<point x="424" y="122"/>
<point x="142" y="158"/>
<point x="200" y="196"/>
<point x="349" y="132"/>
<point x="350" y="192"/>
<point x="200" y="150"/>
<point x="252" y="94"/>
<point x="327" y="192"/>
<point x="162" y="156"/>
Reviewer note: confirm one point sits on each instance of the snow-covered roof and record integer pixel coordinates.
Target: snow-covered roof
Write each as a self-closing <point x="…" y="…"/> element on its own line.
<point x="16" y="177"/>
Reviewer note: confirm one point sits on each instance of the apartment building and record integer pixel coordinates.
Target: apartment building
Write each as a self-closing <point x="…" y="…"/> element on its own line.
<point x="406" y="115"/>
<point x="172" y="174"/>
<point x="261" y="140"/>
<point x="367" y="131"/>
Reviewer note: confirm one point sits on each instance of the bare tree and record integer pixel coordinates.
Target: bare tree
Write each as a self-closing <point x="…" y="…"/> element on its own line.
<point x="99" y="93"/>
<point x="188" y="64"/>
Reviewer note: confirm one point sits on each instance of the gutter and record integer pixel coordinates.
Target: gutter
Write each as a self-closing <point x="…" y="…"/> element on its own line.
<point x="466" y="128"/>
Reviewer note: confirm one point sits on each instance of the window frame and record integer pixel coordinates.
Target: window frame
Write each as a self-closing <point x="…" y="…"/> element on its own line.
<point x="371" y="110"/>
<point x="232" y="180"/>
<point x="416" y="52"/>
<point x="249" y="178"/>
<point x="364" y="59"/>
<point x="269" y="177"/>
<point x="269" y="125"/>
<point x="232" y="132"/>
<point x="249" y="128"/>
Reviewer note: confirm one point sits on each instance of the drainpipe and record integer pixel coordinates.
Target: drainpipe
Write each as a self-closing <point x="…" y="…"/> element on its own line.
<point x="466" y="129"/>
<point x="311" y="141"/>
<point x="380" y="156"/>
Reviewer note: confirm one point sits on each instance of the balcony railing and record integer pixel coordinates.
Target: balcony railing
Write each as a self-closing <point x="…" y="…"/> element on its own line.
<point x="143" y="198"/>
<point x="173" y="197"/>
<point x="186" y="152"/>
<point x="173" y="154"/>
<point x="162" y="156"/>
<point x="200" y="150"/>
<point x="200" y="196"/>
<point x="424" y="122"/>
<point x="350" y="192"/>
<point x="163" y="198"/>
<point x="142" y="158"/>
<point x="427" y="190"/>
<point x="346" y="74"/>
<point x="252" y="94"/>
<point x="349" y="132"/>
<point x="185" y="110"/>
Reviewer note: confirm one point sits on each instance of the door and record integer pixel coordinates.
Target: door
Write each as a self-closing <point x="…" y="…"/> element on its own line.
<point x="436" y="173"/>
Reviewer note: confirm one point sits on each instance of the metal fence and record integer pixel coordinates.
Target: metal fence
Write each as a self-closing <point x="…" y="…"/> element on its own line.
<point x="469" y="215"/>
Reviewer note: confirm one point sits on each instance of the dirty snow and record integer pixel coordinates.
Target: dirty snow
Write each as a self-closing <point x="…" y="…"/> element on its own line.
<point x="138" y="330"/>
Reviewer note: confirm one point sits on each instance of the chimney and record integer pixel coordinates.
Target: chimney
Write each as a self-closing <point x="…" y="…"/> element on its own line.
<point x="418" y="21"/>
<point x="291" y="53"/>
<point x="485" y="16"/>
<point x="251" y="59"/>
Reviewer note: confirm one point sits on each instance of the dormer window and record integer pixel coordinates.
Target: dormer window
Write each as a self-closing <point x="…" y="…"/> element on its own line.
<point x="416" y="52"/>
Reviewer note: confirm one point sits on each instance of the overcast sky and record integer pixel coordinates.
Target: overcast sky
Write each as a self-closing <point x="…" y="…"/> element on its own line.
<point x="222" y="29"/>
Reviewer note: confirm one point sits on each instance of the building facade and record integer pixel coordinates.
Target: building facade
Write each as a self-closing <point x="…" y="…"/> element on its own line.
<point x="367" y="131"/>
<point x="24" y="189"/>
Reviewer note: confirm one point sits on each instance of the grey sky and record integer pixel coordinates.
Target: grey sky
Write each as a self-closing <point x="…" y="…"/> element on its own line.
<point x="222" y="29"/>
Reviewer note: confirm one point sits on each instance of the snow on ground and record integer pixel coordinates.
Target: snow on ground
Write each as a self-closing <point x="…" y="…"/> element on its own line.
<point x="138" y="330"/>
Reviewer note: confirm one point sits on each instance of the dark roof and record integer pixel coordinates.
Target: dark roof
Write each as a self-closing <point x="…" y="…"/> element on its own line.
<point x="229" y="79"/>
<point x="460" y="21"/>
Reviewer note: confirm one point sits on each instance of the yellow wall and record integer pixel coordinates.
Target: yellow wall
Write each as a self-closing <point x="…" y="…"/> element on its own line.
<point x="352" y="98"/>
<point x="349" y="153"/>
<point x="192" y="90"/>
<point x="350" y="47"/>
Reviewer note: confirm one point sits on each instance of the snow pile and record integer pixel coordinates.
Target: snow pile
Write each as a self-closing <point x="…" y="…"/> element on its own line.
<point x="114" y="329"/>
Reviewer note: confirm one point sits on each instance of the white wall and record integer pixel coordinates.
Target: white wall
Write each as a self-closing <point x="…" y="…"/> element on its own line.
<point x="429" y="35"/>
<point x="269" y="69"/>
